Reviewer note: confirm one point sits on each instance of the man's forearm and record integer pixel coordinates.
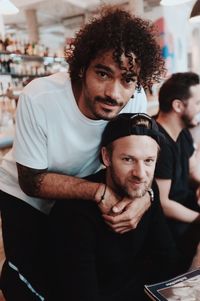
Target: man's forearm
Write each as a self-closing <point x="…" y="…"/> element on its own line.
<point x="177" y="211"/>
<point x="47" y="185"/>
<point x="52" y="185"/>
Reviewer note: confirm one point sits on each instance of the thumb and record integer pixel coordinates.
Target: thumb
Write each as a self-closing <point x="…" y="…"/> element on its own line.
<point x="120" y="206"/>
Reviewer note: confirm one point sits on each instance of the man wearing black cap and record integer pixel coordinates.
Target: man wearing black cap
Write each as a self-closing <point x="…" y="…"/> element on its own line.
<point x="91" y="261"/>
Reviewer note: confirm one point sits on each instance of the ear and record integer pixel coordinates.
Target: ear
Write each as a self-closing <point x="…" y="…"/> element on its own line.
<point x="178" y="106"/>
<point x="105" y="156"/>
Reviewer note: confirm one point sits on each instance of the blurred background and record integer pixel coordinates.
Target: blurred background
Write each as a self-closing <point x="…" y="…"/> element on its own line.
<point x="34" y="35"/>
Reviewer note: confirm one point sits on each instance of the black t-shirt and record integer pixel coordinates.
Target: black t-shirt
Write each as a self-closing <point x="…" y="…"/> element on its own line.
<point x="173" y="164"/>
<point x="94" y="263"/>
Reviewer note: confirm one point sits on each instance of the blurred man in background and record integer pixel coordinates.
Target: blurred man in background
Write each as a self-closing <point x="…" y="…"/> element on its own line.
<point x="179" y="161"/>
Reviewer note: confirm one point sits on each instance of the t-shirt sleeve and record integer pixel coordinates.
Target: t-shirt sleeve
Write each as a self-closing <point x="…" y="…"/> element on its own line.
<point x="30" y="142"/>
<point x="164" y="166"/>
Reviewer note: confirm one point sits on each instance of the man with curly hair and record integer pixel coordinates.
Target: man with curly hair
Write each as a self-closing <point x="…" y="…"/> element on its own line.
<point x="59" y="123"/>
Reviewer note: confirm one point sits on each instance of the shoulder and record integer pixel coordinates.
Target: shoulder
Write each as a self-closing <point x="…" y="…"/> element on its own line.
<point x="46" y="85"/>
<point x="140" y="101"/>
<point x="137" y="104"/>
<point x="39" y="93"/>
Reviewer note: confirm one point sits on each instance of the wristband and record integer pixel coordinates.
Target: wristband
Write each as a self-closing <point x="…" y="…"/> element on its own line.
<point x="103" y="195"/>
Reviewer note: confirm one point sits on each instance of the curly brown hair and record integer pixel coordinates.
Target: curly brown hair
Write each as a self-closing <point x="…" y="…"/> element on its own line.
<point x="117" y="29"/>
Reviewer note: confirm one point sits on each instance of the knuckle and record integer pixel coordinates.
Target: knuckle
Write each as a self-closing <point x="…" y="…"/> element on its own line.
<point x="133" y="224"/>
<point x="129" y="216"/>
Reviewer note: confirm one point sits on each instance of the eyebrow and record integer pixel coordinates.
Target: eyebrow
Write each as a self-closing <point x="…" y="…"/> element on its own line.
<point x="133" y="157"/>
<point x="101" y="66"/>
<point x="108" y="69"/>
<point x="129" y="74"/>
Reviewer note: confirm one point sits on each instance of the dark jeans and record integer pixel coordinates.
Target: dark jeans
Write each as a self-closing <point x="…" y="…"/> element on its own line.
<point x="25" y="272"/>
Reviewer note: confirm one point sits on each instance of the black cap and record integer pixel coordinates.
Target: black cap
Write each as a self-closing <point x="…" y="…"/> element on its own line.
<point x="127" y="124"/>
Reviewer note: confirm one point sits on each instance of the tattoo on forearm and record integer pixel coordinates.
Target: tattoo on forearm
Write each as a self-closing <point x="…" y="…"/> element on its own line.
<point x="30" y="180"/>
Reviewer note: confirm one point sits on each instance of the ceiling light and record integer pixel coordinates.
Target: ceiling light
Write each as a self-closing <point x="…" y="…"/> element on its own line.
<point x="7" y="8"/>
<point x="173" y="2"/>
<point x="84" y="4"/>
<point x="195" y="13"/>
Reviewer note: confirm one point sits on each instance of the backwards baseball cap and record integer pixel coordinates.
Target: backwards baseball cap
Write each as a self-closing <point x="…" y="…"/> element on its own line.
<point x="127" y="124"/>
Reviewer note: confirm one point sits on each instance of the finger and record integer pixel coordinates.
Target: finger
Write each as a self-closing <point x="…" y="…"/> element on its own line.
<point x="120" y="206"/>
<point x="115" y="226"/>
<point x="124" y="230"/>
<point x="120" y="229"/>
<point x="123" y="217"/>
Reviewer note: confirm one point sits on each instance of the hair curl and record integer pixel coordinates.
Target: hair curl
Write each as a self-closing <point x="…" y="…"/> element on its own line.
<point x="177" y="86"/>
<point x="116" y="29"/>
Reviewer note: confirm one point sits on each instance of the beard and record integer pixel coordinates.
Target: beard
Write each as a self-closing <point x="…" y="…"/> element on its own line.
<point x="127" y="189"/>
<point x="186" y="121"/>
<point x="93" y="106"/>
<point x="137" y="193"/>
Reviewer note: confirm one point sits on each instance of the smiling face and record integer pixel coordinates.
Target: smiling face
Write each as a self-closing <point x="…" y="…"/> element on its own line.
<point x="130" y="163"/>
<point x="106" y="88"/>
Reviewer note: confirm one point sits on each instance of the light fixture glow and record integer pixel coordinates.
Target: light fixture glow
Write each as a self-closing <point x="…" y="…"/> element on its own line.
<point x="7" y="8"/>
<point x="83" y="3"/>
<point x="173" y="2"/>
<point x="195" y="13"/>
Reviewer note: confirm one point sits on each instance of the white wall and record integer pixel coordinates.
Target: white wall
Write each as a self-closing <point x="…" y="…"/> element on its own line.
<point x="181" y="40"/>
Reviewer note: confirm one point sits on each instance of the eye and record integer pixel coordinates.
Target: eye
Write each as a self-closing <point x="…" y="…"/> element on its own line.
<point x="149" y="161"/>
<point x="129" y="80"/>
<point x="127" y="159"/>
<point x="102" y="74"/>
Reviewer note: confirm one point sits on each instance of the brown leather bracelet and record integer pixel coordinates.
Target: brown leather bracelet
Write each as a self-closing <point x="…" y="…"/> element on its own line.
<point x="103" y="195"/>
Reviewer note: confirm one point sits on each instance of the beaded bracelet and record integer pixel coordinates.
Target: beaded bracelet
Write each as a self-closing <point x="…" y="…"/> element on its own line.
<point x="151" y="193"/>
<point x="103" y="195"/>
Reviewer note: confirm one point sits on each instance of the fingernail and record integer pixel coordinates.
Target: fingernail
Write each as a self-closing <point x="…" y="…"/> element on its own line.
<point x="115" y="209"/>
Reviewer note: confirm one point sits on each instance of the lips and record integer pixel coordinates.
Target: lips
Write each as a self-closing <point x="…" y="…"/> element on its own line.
<point x="107" y="101"/>
<point x="136" y="183"/>
<point x="109" y="105"/>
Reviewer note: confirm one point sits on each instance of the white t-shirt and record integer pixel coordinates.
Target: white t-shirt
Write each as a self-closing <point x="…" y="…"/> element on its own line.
<point x="52" y="133"/>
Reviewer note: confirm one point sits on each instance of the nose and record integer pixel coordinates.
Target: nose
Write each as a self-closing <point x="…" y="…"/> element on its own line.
<point x="139" y="170"/>
<point x="113" y="90"/>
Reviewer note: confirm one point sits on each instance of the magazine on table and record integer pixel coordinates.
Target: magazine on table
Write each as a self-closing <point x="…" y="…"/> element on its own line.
<point x="185" y="287"/>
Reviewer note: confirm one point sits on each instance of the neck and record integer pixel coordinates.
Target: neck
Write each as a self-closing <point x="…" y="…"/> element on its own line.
<point x="172" y="123"/>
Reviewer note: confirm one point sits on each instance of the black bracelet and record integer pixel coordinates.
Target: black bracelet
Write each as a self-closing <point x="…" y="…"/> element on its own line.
<point x="103" y="195"/>
<point x="151" y="193"/>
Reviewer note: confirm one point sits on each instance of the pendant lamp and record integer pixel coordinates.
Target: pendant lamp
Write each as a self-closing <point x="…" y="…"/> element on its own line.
<point x="195" y="13"/>
<point x="173" y="2"/>
<point x="7" y="8"/>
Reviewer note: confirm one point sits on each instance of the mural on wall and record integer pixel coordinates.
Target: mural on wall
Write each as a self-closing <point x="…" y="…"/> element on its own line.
<point x="166" y="42"/>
